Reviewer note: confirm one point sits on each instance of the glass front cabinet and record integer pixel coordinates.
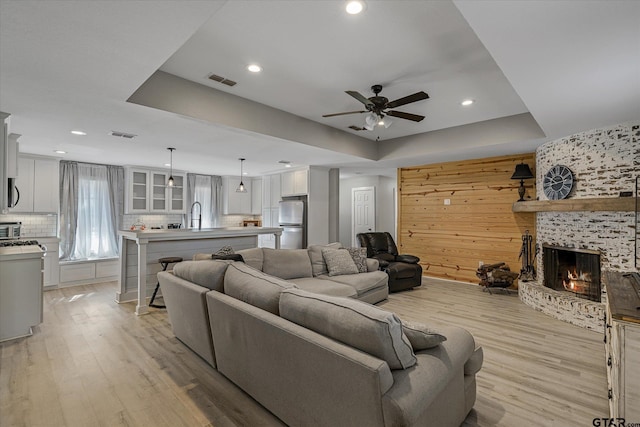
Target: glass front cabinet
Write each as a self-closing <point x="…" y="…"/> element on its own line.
<point x="147" y="192"/>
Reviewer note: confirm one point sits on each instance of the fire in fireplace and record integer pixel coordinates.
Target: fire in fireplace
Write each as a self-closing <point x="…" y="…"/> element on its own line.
<point x="572" y="270"/>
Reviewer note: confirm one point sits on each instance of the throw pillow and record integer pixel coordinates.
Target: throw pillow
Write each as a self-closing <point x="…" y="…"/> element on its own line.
<point x="359" y="256"/>
<point x="318" y="266"/>
<point x="354" y="323"/>
<point x="421" y="336"/>
<point x="339" y="262"/>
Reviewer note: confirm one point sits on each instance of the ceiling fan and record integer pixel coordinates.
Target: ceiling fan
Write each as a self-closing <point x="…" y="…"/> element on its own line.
<point x="378" y="107"/>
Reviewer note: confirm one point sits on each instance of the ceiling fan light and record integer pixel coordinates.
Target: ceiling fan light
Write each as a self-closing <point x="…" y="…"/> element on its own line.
<point x="386" y="122"/>
<point x="371" y="120"/>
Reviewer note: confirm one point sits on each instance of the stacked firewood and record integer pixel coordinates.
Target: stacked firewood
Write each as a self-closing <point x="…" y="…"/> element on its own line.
<point x="497" y="275"/>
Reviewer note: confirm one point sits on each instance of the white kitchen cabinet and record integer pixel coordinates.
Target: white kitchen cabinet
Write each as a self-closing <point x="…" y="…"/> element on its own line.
<point x="622" y="347"/>
<point x="159" y="192"/>
<point x="51" y="270"/>
<point x="147" y="192"/>
<point x="137" y="191"/>
<point x="270" y="204"/>
<point x="234" y="203"/>
<point x="177" y="202"/>
<point x="269" y="219"/>
<point x="256" y="196"/>
<point x="294" y="183"/>
<point x="39" y="185"/>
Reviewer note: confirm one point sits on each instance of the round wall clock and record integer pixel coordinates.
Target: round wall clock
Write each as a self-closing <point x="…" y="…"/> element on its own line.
<point x="557" y="182"/>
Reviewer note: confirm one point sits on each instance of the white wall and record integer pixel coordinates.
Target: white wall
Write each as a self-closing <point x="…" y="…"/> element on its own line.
<point x="385" y="204"/>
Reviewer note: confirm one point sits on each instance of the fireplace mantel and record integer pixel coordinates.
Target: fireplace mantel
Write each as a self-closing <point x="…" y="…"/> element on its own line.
<point x="600" y="204"/>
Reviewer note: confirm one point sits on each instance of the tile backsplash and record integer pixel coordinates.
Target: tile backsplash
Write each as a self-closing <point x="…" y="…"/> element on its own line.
<point x="34" y="225"/>
<point x="39" y="225"/>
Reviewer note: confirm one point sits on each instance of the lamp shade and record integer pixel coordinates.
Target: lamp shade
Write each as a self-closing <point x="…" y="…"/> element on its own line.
<point x="522" y="172"/>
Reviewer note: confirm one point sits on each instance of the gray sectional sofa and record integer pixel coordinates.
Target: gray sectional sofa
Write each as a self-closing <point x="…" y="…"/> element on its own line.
<point x="317" y="358"/>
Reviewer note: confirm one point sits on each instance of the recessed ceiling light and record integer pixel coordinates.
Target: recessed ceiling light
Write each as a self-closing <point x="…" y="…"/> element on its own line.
<point x="60" y="152"/>
<point x="167" y="165"/>
<point x="254" y="68"/>
<point x="354" y="7"/>
<point x="78" y="132"/>
<point x="467" y="102"/>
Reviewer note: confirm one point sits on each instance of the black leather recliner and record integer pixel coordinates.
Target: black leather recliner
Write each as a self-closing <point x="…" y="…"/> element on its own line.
<point x="403" y="270"/>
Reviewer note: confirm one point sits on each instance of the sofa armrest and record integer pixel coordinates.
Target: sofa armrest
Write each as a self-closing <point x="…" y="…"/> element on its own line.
<point x="187" y="308"/>
<point x="382" y="263"/>
<point x="373" y="264"/>
<point x="409" y="259"/>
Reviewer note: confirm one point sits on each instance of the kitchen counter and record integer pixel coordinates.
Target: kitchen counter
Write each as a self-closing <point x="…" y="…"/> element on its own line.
<point x="194" y="233"/>
<point x="141" y="249"/>
<point x="624" y="300"/>
<point x="20" y="252"/>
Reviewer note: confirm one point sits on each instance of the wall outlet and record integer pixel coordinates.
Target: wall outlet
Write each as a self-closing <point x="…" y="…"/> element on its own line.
<point x="447" y="202"/>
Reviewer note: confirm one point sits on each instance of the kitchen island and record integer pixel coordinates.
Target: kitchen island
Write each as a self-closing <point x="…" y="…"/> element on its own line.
<point x="141" y="249"/>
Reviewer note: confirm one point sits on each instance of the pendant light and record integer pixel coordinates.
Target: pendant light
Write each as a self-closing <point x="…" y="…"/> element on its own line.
<point x="170" y="181"/>
<point x="241" y="188"/>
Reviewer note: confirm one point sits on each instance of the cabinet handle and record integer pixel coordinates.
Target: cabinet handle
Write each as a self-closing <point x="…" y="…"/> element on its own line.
<point x="609" y="361"/>
<point x="610" y="394"/>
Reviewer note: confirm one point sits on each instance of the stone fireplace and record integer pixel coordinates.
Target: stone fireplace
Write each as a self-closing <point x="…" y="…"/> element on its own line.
<point x="604" y="162"/>
<point x="576" y="271"/>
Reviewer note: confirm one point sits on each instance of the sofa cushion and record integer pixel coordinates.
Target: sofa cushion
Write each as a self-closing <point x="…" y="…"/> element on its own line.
<point x="286" y="263"/>
<point x="355" y="323"/>
<point x="359" y="256"/>
<point x="209" y="274"/>
<point x="363" y="282"/>
<point x="339" y="262"/>
<point x="421" y="336"/>
<point x="325" y="287"/>
<point x="252" y="257"/>
<point x="318" y="266"/>
<point x="254" y="287"/>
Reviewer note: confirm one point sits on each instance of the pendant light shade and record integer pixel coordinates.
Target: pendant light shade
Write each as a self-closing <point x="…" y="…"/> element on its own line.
<point x="170" y="182"/>
<point x="241" y="188"/>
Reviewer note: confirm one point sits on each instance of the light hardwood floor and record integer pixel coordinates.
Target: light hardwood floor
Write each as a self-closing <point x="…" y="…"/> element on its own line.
<point x="95" y="363"/>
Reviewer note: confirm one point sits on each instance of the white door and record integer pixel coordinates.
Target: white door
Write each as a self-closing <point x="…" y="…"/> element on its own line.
<point x="363" y="211"/>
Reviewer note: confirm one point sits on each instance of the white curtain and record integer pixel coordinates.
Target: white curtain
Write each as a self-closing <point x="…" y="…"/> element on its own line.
<point x="206" y="190"/>
<point x="91" y="204"/>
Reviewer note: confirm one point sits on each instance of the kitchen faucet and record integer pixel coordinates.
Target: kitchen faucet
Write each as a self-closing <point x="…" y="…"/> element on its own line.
<point x="199" y="215"/>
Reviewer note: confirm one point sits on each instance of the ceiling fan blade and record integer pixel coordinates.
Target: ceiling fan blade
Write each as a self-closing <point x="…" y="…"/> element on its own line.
<point x="418" y="96"/>
<point x="360" y="97"/>
<point x="342" y="114"/>
<point x="407" y="116"/>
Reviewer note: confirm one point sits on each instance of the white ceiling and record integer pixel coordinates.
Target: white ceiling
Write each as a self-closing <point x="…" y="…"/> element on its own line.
<point x="573" y="65"/>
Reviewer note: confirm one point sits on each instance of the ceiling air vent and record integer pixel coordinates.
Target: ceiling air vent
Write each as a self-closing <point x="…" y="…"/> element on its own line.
<point x="222" y="80"/>
<point x="122" y="134"/>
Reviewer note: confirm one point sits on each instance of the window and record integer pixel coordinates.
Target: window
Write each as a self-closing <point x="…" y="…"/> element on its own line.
<point x="206" y="190"/>
<point x="90" y="203"/>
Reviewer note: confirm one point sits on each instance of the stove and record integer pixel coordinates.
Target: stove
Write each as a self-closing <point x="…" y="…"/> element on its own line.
<point x="10" y="243"/>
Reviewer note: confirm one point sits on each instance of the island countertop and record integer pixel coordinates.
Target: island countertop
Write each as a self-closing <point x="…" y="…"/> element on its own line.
<point x="141" y="250"/>
<point x="194" y="233"/>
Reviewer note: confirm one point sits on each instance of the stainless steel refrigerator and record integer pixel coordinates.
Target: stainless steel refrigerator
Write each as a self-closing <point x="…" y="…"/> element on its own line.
<point x="291" y="217"/>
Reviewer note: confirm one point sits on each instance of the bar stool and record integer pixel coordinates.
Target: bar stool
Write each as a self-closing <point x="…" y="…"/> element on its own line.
<point x="165" y="263"/>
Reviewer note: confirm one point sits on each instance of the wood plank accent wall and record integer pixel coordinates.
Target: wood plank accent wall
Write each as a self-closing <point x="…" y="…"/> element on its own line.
<point x="478" y="225"/>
